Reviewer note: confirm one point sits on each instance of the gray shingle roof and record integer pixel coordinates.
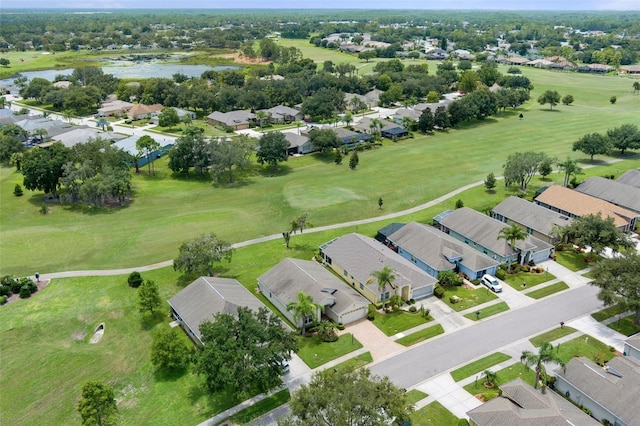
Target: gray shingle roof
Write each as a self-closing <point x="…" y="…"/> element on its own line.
<point x="232" y="118"/>
<point x="619" y="395"/>
<point x="484" y="230"/>
<point x="612" y="191"/>
<point x="531" y="215"/>
<point x="206" y="296"/>
<point x="433" y="247"/>
<point x="634" y="341"/>
<point x="360" y="256"/>
<point x="630" y="177"/>
<point x="295" y="140"/>
<point x="291" y="276"/>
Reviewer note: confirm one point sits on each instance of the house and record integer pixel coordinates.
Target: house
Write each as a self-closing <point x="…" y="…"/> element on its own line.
<point x="611" y="393"/>
<point x="630" y="177"/>
<point x="629" y="69"/>
<point x="283" y="114"/>
<point x="336" y="300"/>
<point x="534" y="219"/>
<point x="62" y="84"/>
<point x="298" y="144"/>
<point x="114" y="107"/>
<point x="389" y="129"/>
<point x="351" y="138"/>
<point x="237" y="120"/>
<point x="632" y="346"/>
<point x="140" y="111"/>
<point x="481" y="232"/>
<point x="129" y="145"/>
<point x="522" y="405"/>
<point x="52" y="127"/>
<point x="370" y="99"/>
<point x="202" y="299"/>
<point x="409" y="113"/>
<point x="617" y="193"/>
<point x="436" y="54"/>
<point x="516" y="60"/>
<point x="355" y="257"/>
<point x="575" y="204"/>
<point x="83" y="135"/>
<point x="182" y="113"/>
<point x="383" y="233"/>
<point x="433" y="251"/>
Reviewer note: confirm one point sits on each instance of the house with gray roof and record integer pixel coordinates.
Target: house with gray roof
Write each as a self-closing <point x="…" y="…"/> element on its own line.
<point x="434" y="251"/>
<point x="129" y="145"/>
<point x="335" y="299"/>
<point x="615" y="192"/>
<point x="534" y="219"/>
<point x="408" y="113"/>
<point x="632" y="346"/>
<point x="630" y="177"/>
<point x="53" y="127"/>
<point x="389" y="129"/>
<point x="355" y="257"/>
<point x="202" y="299"/>
<point x="237" y="120"/>
<point x="611" y="393"/>
<point x="481" y="232"/>
<point x="383" y="233"/>
<point x="522" y="405"/>
<point x="83" y="135"/>
<point x="349" y="137"/>
<point x="283" y="114"/>
<point x="298" y="144"/>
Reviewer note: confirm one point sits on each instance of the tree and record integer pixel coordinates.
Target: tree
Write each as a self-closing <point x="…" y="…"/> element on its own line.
<point x="9" y="145"/>
<point x="598" y="233"/>
<point x="4" y="62"/>
<point x="627" y="136"/>
<point x="570" y="169"/>
<point x="613" y="99"/>
<point x="592" y="144"/>
<point x="636" y="87"/>
<point x="135" y="279"/>
<point x="354" y="160"/>
<point x="326" y="330"/>
<point x="348" y="396"/>
<point x="169" y="351"/>
<point x="97" y="406"/>
<point x="244" y="353"/>
<point x="347" y="118"/>
<point x="324" y="140"/>
<point x="261" y="116"/>
<point x="168" y="117"/>
<point x="567" y="99"/>
<point x="441" y="118"/>
<point x="618" y="281"/>
<point x="547" y="354"/>
<point x="148" y="145"/>
<point x="272" y="149"/>
<point x="40" y="133"/>
<point x="432" y="97"/>
<point x="468" y="81"/>
<point x="303" y="310"/>
<point x="338" y="158"/>
<point x="228" y="155"/>
<point x="546" y="167"/>
<point x="490" y="182"/>
<point x="102" y="123"/>
<point x="17" y="190"/>
<point x="384" y="277"/>
<point x="512" y="234"/>
<point x="42" y="168"/>
<point x="521" y="167"/>
<point x="16" y="160"/>
<point x="426" y="121"/>
<point x="148" y="297"/>
<point x="449" y="279"/>
<point x="490" y="377"/>
<point x="380" y="203"/>
<point x="199" y="255"/>
<point x="551" y="97"/>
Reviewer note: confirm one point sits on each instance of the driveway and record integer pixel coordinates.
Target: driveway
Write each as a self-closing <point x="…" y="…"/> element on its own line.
<point x="375" y="341"/>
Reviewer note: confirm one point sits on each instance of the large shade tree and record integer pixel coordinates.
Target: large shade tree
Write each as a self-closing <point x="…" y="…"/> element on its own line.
<point x="272" y="149"/>
<point x="592" y="144"/>
<point x="97" y="406"/>
<point x="597" y="232"/>
<point x="43" y="168"/>
<point x="618" y="281"/>
<point x="228" y="155"/>
<point x="199" y="256"/>
<point x="627" y="136"/>
<point x="551" y="97"/>
<point x="547" y="354"/>
<point x="520" y="167"/>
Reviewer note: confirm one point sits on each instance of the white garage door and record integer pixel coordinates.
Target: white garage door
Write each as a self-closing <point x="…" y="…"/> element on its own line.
<point x="422" y="292"/>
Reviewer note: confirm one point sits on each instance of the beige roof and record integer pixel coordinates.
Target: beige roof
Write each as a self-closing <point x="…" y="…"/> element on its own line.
<point x="142" y="109"/>
<point x="580" y="204"/>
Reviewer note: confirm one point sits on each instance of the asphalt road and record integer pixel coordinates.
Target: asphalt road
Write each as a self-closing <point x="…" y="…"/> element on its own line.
<point x="436" y="356"/>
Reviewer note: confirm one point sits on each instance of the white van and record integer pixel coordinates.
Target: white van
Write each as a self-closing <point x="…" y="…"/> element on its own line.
<point x="491" y="283"/>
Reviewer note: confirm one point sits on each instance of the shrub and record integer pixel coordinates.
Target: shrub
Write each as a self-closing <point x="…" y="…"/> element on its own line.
<point x="17" y="190"/>
<point x="25" y="292"/>
<point x="586" y="410"/>
<point x="459" y="204"/>
<point x="371" y="317"/>
<point x="463" y="422"/>
<point x="7" y="280"/>
<point x="412" y="301"/>
<point x="15" y="286"/>
<point x="426" y="313"/>
<point x="340" y="326"/>
<point x="3" y="300"/>
<point x="612" y="349"/>
<point x="412" y="309"/>
<point x="438" y="292"/>
<point x="454" y="299"/>
<point x="135" y="279"/>
<point x="378" y="305"/>
<point x="4" y="290"/>
<point x="501" y="274"/>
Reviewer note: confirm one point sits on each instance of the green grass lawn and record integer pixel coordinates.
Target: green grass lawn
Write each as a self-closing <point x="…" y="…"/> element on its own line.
<point x="531" y="279"/>
<point x="503" y="376"/>
<point x="572" y="260"/>
<point x="468" y="297"/>
<point x="585" y="346"/>
<point x="419" y="336"/>
<point x="433" y="414"/>
<point x="314" y="352"/>
<point x="260" y="408"/>
<point x="395" y="322"/>
<point x="478" y="366"/>
<point x="551" y="335"/>
<point x="356" y="362"/>
<point x="548" y="290"/>
<point x="414" y="395"/>
<point x="625" y="326"/>
<point x="488" y="311"/>
<point x="608" y="312"/>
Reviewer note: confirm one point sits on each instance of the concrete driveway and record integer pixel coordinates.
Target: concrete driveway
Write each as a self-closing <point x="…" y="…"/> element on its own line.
<point x="375" y="341"/>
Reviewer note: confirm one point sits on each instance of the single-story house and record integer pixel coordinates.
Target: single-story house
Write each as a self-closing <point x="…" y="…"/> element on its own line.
<point x="632" y="346"/>
<point x="402" y="113"/>
<point x="611" y="393"/>
<point x="516" y="60"/>
<point x="140" y="111"/>
<point x="355" y="257"/>
<point x="390" y="130"/>
<point x="335" y="299"/>
<point x="370" y="99"/>
<point x="298" y="144"/>
<point x="629" y="69"/>
<point x="434" y="251"/>
<point x="114" y="107"/>
<point x="481" y="232"/>
<point x="283" y="114"/>
<point x="383" y="233"/>
<point x="237" y="120"/>
<point x="436" y="54"/>
<point x="576" y="204"/>
<point x="534" y="219"/>
<point x="630" y="177"/>
<point x="182" y="113"/>
<point x="83" y="135"/>
<point x="350" y="138"/>
<point x="520" y="404"/>
<point x="129" y="145"/>
<point x="202" y="299"/>
<point x="615" y="192"/>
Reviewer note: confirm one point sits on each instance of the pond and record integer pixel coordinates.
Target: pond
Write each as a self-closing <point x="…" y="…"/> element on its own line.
<point x="131" y="69"/>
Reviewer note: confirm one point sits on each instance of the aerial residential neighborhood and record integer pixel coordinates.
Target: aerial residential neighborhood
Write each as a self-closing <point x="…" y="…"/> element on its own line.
<point x="214" y="217"/>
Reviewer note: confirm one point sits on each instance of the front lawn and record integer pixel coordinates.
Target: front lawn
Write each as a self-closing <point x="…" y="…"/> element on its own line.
<point x="525" y="280"/>
<point x="551" y="335"/>
<point x="488" y="311"/>
<point x="585" y="346"/>
<point x="395" y="322"/>
<point x="502" y="376"/>
<point x="415" y="395"/>
<point x="469" y="297"/>
<point x="433" y="414"/>
<point x="314" y="352"/>
<point x="548" y="290"/>
<point x="608" y="312"/>
<point x="419" y="336"/>
<point x="625" y="326"/>
<point x="572" y="260"/>
<point x="356" y="362"/>
<point x="259" y="408"/>
<point x="478" y="366"/>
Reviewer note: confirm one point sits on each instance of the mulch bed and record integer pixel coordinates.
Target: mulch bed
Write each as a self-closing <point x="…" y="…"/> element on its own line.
<point x="41" y="284"/>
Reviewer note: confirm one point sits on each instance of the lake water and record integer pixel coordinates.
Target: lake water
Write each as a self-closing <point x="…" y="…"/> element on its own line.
<point x="129" y="69"/>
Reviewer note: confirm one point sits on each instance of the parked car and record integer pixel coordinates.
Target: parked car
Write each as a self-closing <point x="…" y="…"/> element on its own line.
<point x="491" y="283"/>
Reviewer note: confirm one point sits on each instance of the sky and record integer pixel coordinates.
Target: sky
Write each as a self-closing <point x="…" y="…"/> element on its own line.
<point x="340" y="4"/>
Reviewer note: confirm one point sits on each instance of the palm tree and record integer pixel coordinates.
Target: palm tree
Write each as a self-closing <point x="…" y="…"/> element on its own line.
<point x="570" y="168"/>
<point x="102" y="122"/>
<point x="490" y="377"/>
<point x="348" y="118"/>
<point x="41" y="133"/>
<point x="560" y="233"/>
<point x="512" y="234"/>
<point x="546" y="354"/>
<point x="326" y="331"/>
<point x="302" y="309"/>
<point x="384" y="277"/>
